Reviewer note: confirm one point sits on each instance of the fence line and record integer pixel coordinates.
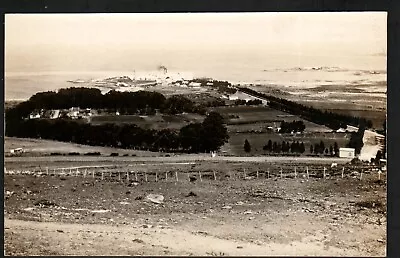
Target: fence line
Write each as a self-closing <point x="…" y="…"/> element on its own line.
<point x="282" y="172"/>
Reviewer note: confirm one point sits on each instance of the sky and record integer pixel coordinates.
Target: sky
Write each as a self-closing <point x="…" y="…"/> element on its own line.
<point x="32" y="38"/>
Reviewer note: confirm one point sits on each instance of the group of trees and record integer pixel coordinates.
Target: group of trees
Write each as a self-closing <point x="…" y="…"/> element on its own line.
<point x="198" y="137"/>
<point x="285" y="147"/>
<point x="295" y="126"/>
<point x="356" y="139"/>
<point x="319" y="148"/>
<point x="329" y="119"/>
<point x="241" y="102"/>
<point x="296" y="147"/>
<point x="142" y="102"/>
<point x="221" y="86"/>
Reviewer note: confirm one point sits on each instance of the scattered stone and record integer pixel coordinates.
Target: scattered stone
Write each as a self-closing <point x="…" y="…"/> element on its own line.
<point x="147" y="226"/>
<point x="45" y="203"/>
<point x="191" y="194"/>
<point x="100" y="211"/>
<point x="248" y="212"/>
<point x="137" y="240"/>
<point x="239" y="247"/>
<point x="227" y="207"/>
<point x="380" y="240"/>
<point x="60" y="231"/>
<point x="155" y="198"/>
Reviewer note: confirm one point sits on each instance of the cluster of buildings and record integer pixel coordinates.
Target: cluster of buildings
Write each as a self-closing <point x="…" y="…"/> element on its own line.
<point x="73" y="113"/>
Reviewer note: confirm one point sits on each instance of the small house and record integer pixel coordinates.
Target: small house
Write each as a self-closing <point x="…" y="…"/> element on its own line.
<point x="347" y="153"/>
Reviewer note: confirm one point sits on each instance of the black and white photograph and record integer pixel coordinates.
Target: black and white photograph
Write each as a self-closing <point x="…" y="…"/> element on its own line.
<point x="195" y="134"/>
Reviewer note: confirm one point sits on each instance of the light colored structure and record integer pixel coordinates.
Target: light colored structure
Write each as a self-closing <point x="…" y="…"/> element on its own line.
<point x="347" y="153"/>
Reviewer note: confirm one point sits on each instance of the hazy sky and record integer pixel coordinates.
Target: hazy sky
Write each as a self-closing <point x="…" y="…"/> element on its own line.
<point x="306" y="33"/>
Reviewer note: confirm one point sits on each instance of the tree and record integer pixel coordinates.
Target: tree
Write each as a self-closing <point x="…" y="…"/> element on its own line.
<point x="356" y="138"/>
<point x="378" y="157"/>
<point x="274" y="147"/>
<point x="336" y="149"/>
<point x="311" y="149"/>
<point x="247" y="147"/>
<point x="214" y="132"/>
<point x="331" y="150"/>
<point x="326" y="151"/>
<point x="321" y="147"/>
<point x="316" y="148"/>
<point x="269" y="145"/>
<point x="302" y="147"/>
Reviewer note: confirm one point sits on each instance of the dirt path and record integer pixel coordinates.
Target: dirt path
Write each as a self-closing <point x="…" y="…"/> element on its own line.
<point x="49" y="238"/>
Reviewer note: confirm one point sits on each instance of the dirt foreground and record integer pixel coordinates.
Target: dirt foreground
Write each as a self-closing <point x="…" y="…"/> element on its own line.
<point x="67" y="215"/>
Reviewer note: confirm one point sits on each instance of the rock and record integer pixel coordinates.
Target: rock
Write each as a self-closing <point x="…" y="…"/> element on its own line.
<point x="155" y="198"/>
<point x="239" y="247"/>
<point x="239" y="203"/>
<point x="380" y="240"/>
<point x="147" y="226"/>
<point x="191" y="194"/>
<point x="60" y="231"/>
<point x="227" y="207"/>
<point x="248" y="212"/>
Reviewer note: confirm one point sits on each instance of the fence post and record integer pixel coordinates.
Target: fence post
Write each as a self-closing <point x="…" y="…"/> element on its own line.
<point x="166" y="176"/>
<point x="308" y="175"/>
<point x="176" y="176"/>
<point x="361" y="174"/>
<point x="136" y="176"/>
<point x="145" y="176"/>
<point x="102" y="175"/>
<point x="201" y="180"/>
<point x="84" y="173"/>
<point x="343" y="172"/>
<point x="93" y="173"/>
<point x="324" y="172"/>
<point x="379" y="174"/>
<point x="156" y="176"/>
<point x="70" y="171"/>
<point x="281" y="174"/>
<point x="257" y="174"/>
<point x="268" y="173"/>
<point x="215" y="177"/>
<point x="127" y="176"/>
<point x="295" y="172"/>
<point x="47" y="171"/>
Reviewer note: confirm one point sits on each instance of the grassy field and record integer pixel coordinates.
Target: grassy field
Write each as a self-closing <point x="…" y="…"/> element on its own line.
<point x="258" y="140"/>
<point x="39" y="147"/>
<point x="262" y="116"/>
<point x="158" y="121"/>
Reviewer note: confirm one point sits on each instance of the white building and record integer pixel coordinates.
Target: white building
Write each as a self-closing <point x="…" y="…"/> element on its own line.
<point x="347" y="153"/>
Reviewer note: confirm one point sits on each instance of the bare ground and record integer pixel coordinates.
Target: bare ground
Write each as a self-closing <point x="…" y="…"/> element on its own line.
<point x="231" y="216"/>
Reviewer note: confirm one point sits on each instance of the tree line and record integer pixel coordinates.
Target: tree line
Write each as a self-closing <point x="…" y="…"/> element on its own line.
<point x="142" y="102"/>
<point x="196" y="137"/>
<point x="329" y="119"/>
<point x="295" y="126"/>
<point x="296" y="147"/>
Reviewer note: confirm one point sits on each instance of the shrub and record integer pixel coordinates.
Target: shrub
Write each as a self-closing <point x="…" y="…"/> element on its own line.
<point x="114" y="154"/>
<point x="92" y="154"/>
<point x="74" y="154"/>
